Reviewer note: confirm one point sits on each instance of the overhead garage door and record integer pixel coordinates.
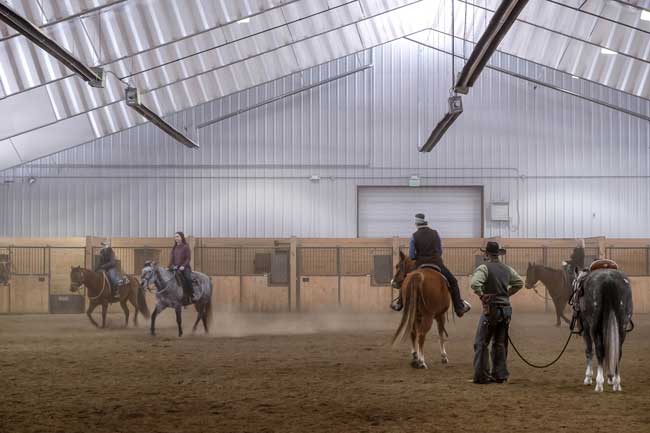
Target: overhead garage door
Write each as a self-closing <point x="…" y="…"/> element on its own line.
<point x="456" y="212"/>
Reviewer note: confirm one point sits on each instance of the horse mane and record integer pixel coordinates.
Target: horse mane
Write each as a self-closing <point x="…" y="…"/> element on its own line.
<point x="546" y="268"/>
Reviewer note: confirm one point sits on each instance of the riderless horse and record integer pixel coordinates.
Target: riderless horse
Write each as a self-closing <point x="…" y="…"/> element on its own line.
<point x="99" y="293"/>
<point x="425" y="294"/>
<point x="605" y="313"/>
<point x="557" y="284"/>
<point x="169" y="293"/>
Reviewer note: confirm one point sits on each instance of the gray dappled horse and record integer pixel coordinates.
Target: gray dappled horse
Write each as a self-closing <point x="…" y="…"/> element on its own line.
<point x="169" y="293"/>
<point x="605" y="314"/>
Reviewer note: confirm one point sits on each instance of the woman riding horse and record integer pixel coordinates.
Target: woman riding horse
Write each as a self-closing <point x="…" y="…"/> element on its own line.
<point x="180" y="261"/>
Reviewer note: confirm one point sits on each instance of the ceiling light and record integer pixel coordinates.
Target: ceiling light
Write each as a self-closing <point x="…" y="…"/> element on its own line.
<point x="501" y="21"/>
<point x="455" y="109"/>
<point x="645" y="15"/>
<point x="573" y="76"/>
<point x="93" y="76"/>
<point x="132" y="96"/>
<point x="244" y="20"/>
<point x="31" y="180"/>
<point x="606" y="51"/>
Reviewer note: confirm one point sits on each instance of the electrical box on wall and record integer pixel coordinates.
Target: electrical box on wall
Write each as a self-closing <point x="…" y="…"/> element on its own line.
<point x="500" y="211"/>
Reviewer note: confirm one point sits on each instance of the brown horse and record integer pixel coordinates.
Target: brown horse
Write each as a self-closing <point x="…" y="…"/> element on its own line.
<point x="426" y="297"/>
<point x="557" y="284"/>
<point x="99" y="293"/>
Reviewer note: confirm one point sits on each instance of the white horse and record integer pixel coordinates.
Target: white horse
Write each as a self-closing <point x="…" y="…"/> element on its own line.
<point x="169" y="293"/>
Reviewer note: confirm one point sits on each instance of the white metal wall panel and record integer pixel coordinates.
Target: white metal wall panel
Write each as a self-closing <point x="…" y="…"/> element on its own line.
<point x="557" y="160"/>
<point x="456" y="212"/>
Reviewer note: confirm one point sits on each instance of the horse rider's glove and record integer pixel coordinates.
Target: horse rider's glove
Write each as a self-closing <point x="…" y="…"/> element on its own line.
<point x="182" y="268"/>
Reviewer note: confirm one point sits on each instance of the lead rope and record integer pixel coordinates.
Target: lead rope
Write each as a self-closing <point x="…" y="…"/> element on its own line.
<point x="544" y="365"/>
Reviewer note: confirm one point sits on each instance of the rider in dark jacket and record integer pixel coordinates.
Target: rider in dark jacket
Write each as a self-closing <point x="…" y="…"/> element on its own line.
<point x="425" y="247"/>
<point x="179" y="260"/>
<point x="108" y="264"/>
<point x="577" y="260"/>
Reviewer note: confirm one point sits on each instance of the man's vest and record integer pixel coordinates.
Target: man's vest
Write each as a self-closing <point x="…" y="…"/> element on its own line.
<point x="497" y="283"/>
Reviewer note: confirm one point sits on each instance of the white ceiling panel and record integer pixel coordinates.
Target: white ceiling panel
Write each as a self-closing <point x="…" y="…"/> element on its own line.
<point x="54" y="138"/>
<point x="8" y="156"/>
<point x="24" y="111"/>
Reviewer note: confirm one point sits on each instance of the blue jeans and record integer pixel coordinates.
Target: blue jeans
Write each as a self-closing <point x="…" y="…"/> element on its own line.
<point x="492" y="328"/>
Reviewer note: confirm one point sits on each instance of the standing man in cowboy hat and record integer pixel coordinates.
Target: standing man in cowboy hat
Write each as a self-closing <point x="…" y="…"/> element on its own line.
<point x="108" y="264"/>
<point x="425" y="247"/>
<point x="494" y="282"/>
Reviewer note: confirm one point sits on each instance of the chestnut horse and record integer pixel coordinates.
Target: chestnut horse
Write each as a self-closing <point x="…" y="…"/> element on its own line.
<point x="99" y="293"/>
<point x="425" y="295"/>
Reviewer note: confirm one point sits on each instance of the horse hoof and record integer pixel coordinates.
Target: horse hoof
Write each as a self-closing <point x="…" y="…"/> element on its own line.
<point x="599" y="387"/>
<point x="617" y="388"/>
<point x="415" y="363"/>
<point x="610" y="381"/>
<point x="445" y="360"/>
<point x="588" y="381"/>
<point x="423" y="365"/>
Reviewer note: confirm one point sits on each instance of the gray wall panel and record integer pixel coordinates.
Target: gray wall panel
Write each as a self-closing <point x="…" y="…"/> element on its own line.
<point x="568" y="167"/>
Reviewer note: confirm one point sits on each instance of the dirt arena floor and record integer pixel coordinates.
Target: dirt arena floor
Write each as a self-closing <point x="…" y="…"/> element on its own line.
<point x="298" y="373"/>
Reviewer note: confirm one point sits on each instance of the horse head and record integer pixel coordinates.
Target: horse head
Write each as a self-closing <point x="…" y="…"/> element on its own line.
<point x="531" y="277"/>
<point x="404" y="266"/>
<point x="149" y="275"/>
<point x="76" y="278"/>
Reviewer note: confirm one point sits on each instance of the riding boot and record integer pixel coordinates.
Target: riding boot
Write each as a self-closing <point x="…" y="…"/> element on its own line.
<point x="460" y="306"/>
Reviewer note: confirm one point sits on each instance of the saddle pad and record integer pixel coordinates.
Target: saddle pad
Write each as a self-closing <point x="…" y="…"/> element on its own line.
<point x="603" y="264"/>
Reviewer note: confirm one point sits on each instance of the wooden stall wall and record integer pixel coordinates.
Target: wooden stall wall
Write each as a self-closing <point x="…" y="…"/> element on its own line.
<point x="291" y="274"/>
<point x="248" y="275"/>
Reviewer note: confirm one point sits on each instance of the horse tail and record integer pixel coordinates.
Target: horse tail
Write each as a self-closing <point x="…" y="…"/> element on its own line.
<point x="411" y="295"/>
<point x="142" y="302"/>
<point x="612" y="344"/>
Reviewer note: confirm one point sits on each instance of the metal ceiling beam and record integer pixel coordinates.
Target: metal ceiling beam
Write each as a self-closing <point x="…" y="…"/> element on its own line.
<point x="566" y="35"/>
<point x="496" y="30"/>
<point x="539" y="82"/>
<point x="543" y="66"/>
<point x="93" y="76"/>
<point x="73" y="16"/>
<point x="282" y="96"/>
<point x="147" y="50"/>
<point x="211" y="70"/>
<point x="600" y="17"/>
<point x="261" y="32"/>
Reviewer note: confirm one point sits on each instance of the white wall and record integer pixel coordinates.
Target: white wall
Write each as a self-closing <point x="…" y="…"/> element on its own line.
<point x="567" y="166"/>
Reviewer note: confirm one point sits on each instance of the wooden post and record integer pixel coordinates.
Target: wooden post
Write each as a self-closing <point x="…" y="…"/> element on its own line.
<point x="191" y="242"/>
<point x="395" y="250"/>
<point x="293" y="275"/>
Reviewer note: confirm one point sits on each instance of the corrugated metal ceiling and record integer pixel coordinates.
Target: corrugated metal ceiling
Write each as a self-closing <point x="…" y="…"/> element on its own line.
<point x="184" y="53"/>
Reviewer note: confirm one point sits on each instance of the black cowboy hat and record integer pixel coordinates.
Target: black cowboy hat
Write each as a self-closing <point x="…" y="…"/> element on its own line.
<point x="494" y="249"/>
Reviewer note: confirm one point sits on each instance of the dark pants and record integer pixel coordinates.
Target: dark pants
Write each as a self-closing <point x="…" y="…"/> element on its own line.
<point x="492" y="327"/>
<point x="186" y="278"/>
<point x="454" y="290"/>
